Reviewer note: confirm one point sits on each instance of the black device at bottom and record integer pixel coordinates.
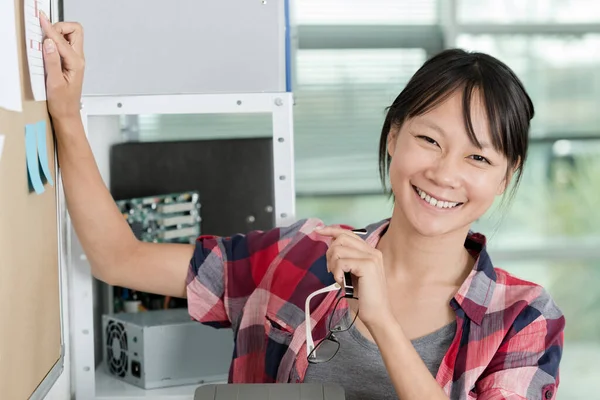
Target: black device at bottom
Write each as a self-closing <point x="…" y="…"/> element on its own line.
<point x="271" y="391"/>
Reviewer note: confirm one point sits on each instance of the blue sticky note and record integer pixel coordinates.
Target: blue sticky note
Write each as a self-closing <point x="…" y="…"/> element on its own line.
<point x="42" y="151"/>
<point x="33" y="169"/>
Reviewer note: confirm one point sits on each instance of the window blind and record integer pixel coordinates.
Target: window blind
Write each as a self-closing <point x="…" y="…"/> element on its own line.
<point x="341" y="12"/>
<point x="528" y="11"/>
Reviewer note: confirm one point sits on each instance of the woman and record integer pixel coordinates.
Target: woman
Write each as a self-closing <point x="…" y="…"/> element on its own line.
<point x="429" y="317"/>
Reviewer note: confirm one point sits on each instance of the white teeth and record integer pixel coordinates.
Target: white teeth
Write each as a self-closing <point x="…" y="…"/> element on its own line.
<point x="435" y="202"/>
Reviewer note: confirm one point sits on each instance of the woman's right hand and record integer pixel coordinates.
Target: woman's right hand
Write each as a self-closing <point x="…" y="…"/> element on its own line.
<point x="64" y="62"/>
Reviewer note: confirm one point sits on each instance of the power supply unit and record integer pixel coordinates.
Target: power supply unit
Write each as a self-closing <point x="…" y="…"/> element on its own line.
<point x="163" y="348"/>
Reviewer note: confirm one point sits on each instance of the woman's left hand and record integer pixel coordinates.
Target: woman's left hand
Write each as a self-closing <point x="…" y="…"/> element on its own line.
<point x="350" y="253"/>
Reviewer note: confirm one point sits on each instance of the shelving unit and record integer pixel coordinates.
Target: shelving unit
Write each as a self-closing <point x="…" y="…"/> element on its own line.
<point x="212" y="61"/>
<point x="99" y="115"/>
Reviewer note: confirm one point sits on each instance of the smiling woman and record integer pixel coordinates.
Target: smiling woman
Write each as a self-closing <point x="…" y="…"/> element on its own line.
<point x="452" y="141"/>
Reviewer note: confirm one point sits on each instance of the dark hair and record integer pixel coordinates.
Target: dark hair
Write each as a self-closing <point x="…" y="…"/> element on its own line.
<point x="508" y="106"/>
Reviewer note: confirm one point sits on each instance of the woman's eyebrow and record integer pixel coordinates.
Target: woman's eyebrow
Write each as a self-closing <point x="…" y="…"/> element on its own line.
<point x="432" y="125"/>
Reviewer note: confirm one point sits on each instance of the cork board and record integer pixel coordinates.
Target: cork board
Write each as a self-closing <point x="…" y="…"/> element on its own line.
<point x="30" y="314"/>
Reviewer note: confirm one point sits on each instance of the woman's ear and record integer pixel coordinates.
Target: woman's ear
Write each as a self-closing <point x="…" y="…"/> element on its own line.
<point x="508" y="178"/>
<point x="391" y="140"/>
<point x="503" y="185"/>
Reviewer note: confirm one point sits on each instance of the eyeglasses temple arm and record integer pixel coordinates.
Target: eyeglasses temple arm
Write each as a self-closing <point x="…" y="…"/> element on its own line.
<point x="310" y="345"/>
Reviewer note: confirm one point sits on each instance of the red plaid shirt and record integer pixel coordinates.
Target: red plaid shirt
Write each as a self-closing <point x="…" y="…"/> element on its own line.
<point x="509" y="337"/>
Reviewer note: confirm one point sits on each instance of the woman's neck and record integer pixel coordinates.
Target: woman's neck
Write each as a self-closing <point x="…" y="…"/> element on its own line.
<point x="410" y="255"/>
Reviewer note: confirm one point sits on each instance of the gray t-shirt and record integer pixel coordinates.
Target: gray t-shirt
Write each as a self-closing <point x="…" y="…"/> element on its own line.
<point x="359" y="368"/>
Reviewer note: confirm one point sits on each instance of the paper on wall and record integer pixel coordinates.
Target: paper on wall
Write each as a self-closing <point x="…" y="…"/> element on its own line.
<point x="10" y="76"/>
<point x="33" y="43"/>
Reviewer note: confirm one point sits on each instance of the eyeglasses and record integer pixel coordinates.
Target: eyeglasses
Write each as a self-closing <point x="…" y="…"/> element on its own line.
<point x="328" y="347"/>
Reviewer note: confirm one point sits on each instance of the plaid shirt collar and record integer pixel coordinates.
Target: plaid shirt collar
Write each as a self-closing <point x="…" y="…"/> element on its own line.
<point x="476" y="292"/>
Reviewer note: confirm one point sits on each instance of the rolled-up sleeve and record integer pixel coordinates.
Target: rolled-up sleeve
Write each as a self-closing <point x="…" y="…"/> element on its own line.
<point x="225" y="271"/>
<point x="206" y="278"/>
<point x="526" y="366"/>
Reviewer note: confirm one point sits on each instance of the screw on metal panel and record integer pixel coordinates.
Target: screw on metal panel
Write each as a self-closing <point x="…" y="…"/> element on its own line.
<point x="269" y="209"/>
<point x="85" y="331"/>
<point x="250" y="219"/>
<point x="278" y="102"/>
<point x="264" y="1"/>
<point x="86" y="369"/>
<point x="281" y="140"/>
<point x="239" y="102"/>
<point x="282" y="177"/>
<point x="119" y="105"/>
<point x="283" y="215"/>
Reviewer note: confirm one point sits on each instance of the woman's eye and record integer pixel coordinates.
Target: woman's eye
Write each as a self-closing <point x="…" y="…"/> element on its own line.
<point x="480" y="158"/>
<point x="429" y="140"/>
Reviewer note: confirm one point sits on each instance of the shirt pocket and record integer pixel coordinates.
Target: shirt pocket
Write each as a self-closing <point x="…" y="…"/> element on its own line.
<point x="278" y="337"/>
<point x="277" y="329"/>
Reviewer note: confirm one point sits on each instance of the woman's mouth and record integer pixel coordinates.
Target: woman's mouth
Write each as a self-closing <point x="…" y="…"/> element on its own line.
<point x="434" y="202"/>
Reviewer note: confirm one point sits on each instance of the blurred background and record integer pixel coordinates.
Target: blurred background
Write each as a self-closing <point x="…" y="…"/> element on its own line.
<point x="354" y="57"/>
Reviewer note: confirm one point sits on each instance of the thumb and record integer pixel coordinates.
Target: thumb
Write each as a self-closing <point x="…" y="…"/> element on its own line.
<point x="52" y="63"/>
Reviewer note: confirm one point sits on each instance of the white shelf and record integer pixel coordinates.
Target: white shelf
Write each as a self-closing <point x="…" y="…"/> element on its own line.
<point x="109" y="388"/>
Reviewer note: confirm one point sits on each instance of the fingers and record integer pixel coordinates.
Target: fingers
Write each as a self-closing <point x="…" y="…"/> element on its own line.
<point x="356" y="266"/>
<point x="337" y="252"/>
<point x="63" y="46"/>
<point x="352" y="241"/>
<point x="349" y="253"/>
<point x="73" y="32"/>
<point x="71" y="59"/>
<point x="338" y="255"/>
<point x="336" y="232"/>
<point x="52" y="63"/>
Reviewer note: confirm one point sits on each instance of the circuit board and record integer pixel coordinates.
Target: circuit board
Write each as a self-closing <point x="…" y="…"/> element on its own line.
<point x="169" y="218"/>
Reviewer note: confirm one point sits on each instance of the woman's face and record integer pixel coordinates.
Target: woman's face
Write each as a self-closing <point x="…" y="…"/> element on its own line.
<point x="441" y="181"/>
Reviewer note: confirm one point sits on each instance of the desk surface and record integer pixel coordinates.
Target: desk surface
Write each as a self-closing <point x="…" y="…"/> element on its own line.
<point x="110" y="388"/>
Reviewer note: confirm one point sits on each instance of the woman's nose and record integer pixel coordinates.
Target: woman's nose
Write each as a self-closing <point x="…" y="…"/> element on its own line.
<point x="445" y="172"/>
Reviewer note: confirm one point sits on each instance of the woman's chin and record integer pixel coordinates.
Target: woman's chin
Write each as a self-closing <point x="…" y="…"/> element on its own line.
<point x="428" y="226"/>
